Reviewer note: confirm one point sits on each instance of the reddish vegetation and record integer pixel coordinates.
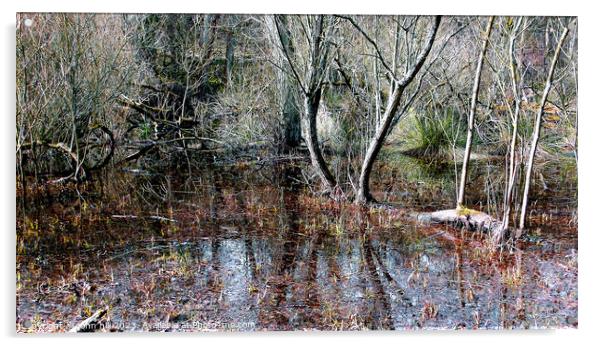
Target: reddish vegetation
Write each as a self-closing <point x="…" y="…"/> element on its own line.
<point x="276" y="257"/>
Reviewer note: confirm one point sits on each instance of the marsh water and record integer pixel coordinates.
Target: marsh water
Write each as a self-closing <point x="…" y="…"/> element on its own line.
<point x="251" y="246"/>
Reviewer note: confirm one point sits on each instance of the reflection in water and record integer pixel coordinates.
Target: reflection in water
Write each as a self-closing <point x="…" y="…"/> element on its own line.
<point x="265" y="255"/>
<point x="279" y="305"/>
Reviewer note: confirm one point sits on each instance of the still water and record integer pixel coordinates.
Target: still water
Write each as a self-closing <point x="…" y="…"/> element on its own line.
<point x="250" y="247"/>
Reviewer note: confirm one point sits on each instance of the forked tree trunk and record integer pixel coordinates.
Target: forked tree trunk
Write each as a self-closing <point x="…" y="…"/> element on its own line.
<point x="537" y="128"/>
<point x="363" y="195"/>
<point x="471" y="115"/>
<point x="310" y="83"/>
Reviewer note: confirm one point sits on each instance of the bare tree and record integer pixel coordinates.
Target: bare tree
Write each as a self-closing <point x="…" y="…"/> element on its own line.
<point x="471" y="114"/>
<point x="512" y="164"/>
<point x="71" y="69"/>
<point x="309" y="66"/>
<point x="537" y="128"/>
<point x="363" y="195"/>
<point x="179" y="52"/>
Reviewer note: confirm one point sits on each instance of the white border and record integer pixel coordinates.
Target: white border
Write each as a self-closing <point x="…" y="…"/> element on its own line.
<point x="506" y="7"/>
<point x="590" y="132"/>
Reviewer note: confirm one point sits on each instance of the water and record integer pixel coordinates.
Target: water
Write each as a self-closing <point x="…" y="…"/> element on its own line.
<point x="251" y="248"/>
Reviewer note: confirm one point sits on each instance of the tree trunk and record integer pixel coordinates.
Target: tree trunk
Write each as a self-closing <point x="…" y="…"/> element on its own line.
<point x="207" y="42"/>
<point x="512" y="170"/>
<point x="290" y="136"/>
<point x="230" y="46"/>
<point x="470" y="219"/>
<point x="363" y="195"/>
<point x="471" y="115"/>
<point x="288" y="101"/>
<point x="310" y="82"/>
<point x="290" y="115"/>
<point x="312" y="104"/>
<point x="537" y="128"/>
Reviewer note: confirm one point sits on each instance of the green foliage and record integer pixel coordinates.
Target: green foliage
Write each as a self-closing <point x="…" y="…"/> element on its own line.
<point x="145" y="130"/>
<point x="434" y="133"/>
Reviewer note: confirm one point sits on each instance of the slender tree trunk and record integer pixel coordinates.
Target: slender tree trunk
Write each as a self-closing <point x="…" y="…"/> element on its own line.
<point x="206" y="41"/>
<point x="395" y="53"/>
<point x="230" y="46"/>
<point x="377" y="99"/>
<point x="512" y="169"/>
<point x="363" y="195"/>
<point x="537" y="128"/>
<point x="471" y="115"/>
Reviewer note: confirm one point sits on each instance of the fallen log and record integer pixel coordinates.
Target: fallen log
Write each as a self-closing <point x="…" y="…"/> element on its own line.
<point x="469" y="218"/>
<point x="91" y="323"/>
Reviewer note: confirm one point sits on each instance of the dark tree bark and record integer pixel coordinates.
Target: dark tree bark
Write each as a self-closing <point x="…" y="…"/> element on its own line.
<point x="310" y="82"/>
<point x="285" y="83"/>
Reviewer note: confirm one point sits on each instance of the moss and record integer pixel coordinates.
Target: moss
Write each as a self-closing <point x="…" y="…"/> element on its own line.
<point x="464" y="211"/>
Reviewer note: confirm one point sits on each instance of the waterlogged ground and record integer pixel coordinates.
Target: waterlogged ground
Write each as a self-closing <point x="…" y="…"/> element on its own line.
<point x="250" y="247"/>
